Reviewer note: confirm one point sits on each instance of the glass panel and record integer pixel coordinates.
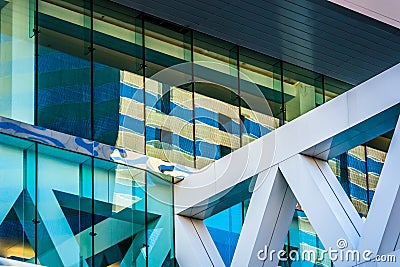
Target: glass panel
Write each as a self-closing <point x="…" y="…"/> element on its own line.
<point x="64" y="208"/>
<point x="169" y="104"/>
<point x="261" y="95"/>
<point x="17" y="198"/>
<point x="119" y="215"/>
<point x="376" y="151"/>
<point x="359" y="169"/>
<point x="118" y="83"/>
<point x="338" y="166"/>
<point x="334" y="88"/>
<point x="224" y="228"/>
<point x="302" y="90"/>
<point x="303" y="239"/>
<point x="64" y="93"/>
<point x="358" y="179"/>
<point x="375" y="161"/>
<point x="160" y="221"/>
<point x="17" y="60"/>
<point x="217" y="122"/>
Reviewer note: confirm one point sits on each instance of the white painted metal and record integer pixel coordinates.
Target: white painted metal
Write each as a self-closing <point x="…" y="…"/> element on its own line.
<point x="15" y="263"/>
<point x="329" y="130"/>
<point x="382" y="228"/>
<point x="267" y="222"/>
<point x="291" y="162"/>
<point x="386" y="11"/>
<point x="194" y="245"/>
<point x="333" y="218"/>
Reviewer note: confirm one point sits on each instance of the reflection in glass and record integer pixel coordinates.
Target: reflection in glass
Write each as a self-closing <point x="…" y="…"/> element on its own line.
<point x="17" y="197"/>
<point x="302" y="237"/>
<point x="302" y="90"/>
<point x="64" y="74"/>
<point x="358" y="179"/>
<point x="169" y="106"/>
<point x="64" y="208"/>
<point x="358" y="171"/>
<point x="160" y="224"/>
<point x="333" y="88"/>
<point x="216" y="99"/>
<point x="119" y="215"/>
<point x="224" y="228"/>
<point x="17" y="60"/>
<point x="261" y="95"/>
<point x="375" y="160"/>
<point x="117" y="75"/>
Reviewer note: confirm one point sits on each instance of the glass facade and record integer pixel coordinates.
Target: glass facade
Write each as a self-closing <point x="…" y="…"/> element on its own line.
<point x="108" y="73"/>
<point x="96" y="70"/>
<point x="358" y="171"/>
<point x="303" y="91"/>
<point x="17" y="60"/>
<point x="61" y="208"/>
<point x="359" y="184"/>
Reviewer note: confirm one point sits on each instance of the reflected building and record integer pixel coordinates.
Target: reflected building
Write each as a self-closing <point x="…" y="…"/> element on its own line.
<point x="106" y="105"/>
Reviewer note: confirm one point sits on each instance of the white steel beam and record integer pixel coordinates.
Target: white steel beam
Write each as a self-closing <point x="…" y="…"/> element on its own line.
<point x="268" y="219"/>
<point x="333" y="217"/>
<point x="329" y="130"/>
<point x="194" y="245"/>
<point x="382" y="227"/>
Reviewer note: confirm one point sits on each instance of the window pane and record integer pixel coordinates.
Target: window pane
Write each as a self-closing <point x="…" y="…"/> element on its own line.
<point x="217" y="123"/>
<point x="160" y="212"/>
<point x="17" y="197"/>
<point x="119" y="212"/>
<point x="169" y="106"/>
<point x="64" y="93"/>
<point x="261" y="95"/>
<point x="303" y="91"/>
<point x="224" y="228"/>
<point x="375" y="161"/>
<point x="358" y="179"/>
<point x="17" y="60"/>
<point x="303" y="239"/>
<point x="118" y="83"/>
<point x="64" y="208"/>
<point x="334" y="88"/>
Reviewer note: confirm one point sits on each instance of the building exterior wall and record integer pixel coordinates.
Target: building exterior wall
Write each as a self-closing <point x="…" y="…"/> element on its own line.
<point x="113" y="75"/>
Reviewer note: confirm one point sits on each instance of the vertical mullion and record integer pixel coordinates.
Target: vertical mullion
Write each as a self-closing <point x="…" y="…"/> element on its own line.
<point x="36" y="68"/>
<point x="93" y="207"/>
<point x="283" y="107"/>
<point x="240" y="97"/>
<point x="173" y="218"/>
<point x="91" y="51"/>
<point x="366" y="175"/>
<point x="143" y="67"/>
<point x="323" y="89"/>
<point x="193" y="98"/>
<point x="288" y="247"/>
<point x="36" y="202"/>
<point x="146" y="227"/>
<point x="35" y="119"/>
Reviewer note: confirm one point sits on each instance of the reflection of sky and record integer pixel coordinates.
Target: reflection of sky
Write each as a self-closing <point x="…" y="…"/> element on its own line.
<point x="17" y="101"/>
<point x="224" y="228"/>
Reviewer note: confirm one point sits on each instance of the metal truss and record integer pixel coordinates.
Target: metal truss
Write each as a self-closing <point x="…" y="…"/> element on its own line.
<point x="289" y="166"/>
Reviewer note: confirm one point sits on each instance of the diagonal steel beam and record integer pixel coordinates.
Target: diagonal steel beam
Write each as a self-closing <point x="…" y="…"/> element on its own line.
<point x="267" y="222"/>
<point x="321" y="197"/>
<point x="194" y="245"/>
<point x="382" y="227"/>
<point x="329" y="130"/>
